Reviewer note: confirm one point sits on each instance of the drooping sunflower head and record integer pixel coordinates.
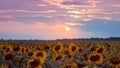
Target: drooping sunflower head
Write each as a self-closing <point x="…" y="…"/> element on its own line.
<point x="58" y="48"/>
<point x="95" y="58"/>
<point x="115" y="61"/>
<point x="74" y="48"/>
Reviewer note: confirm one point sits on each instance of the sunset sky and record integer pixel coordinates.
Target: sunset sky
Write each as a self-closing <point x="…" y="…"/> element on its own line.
<point x="58" y="19"/>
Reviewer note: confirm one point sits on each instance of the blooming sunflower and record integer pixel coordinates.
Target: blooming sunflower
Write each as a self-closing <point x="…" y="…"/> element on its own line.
<point x="4" y="66"/>
<point x="115" y="61"/>
<point x="30" y="53"/>
<point x="9" y="56"/>
<point x="58" y="48"/>
<point x="95" y="58"/>
<point x="34" y="63"/>
<point x="8" y="49"/>
<point x="58" y="57"/>
<point x="70" y="65"/>
<point x="41" y="55"/>
<point x="100" y="49"/>
<point x="73" y="48"/>
<point x="3" y="47"/>
<point x="23" y="50"/>
<point x="66" y="51"/>
<point x="70" y="56"/>
<point x="17" y="49"/>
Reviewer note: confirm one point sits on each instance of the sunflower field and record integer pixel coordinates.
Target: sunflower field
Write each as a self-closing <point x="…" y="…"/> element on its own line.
<point x="59" y="54"/>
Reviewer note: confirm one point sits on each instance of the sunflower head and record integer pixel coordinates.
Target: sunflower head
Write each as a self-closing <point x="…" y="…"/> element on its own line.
<point x="34" y="63"/>
<point x="66" y="51"/>
<point x="9" y="56"/>
<point x="95" y="58"/>
<point x="8" y="49"/>
<point x="40" y="55"/>
<point x="58" y="48"/>
<point x="58" y="57"/>
<point x="70" y="65"/>
<point x="4" y="47"/>
<point x="74" y="48"/>
<point x="16" y="48"/>
<point x="80" y="65"/>
<point x="47" y="47"/>
<point x="115" y="61"/>
<point x="70" y="56"/>
<point x="30" y="53"/>
<point x="100" y="49"/>
<point x="23" y="50"/>
<point x="93" y="48"/>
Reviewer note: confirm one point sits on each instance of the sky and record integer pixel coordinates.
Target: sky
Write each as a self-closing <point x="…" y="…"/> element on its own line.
<point x="59" y="19"/>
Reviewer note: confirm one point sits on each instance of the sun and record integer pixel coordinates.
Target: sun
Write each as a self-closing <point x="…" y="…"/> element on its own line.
<point x="67" y="28"/>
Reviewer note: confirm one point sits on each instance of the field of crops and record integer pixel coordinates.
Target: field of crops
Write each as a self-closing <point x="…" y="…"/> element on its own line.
<point x="60" y="54"/>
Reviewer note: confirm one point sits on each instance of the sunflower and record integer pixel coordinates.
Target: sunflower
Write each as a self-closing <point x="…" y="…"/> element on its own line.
<point x="4" y="47"/>
<point x="2" y="51"/>
<point x="81" y="65"/>
<point x="93" y="48"/>
<point x="115" y="61"/>
<point x="70" y="65"/>
<point x="109" y="45"/>
<point x="9" y="56"/>
<point x="58" y="57"/>
<point x="73" y="48"/>
<point x="41" y="55"/>
<point x="70" y="56"/>
<point x="95" y="58"/>
<point x="47" y="47"/>
<point x="8" y="49"/>
<point x="66" y="51"/>
<point x="100" y="49"/>
<point x="23" y="50"/>
<point x="33" y="47"/>
<point x="17" y="49"/>
<point x="4" y="66"/>
<point x="58" y="48"/>
<point x="30" y="53"/>
<point x="34" y="63"/>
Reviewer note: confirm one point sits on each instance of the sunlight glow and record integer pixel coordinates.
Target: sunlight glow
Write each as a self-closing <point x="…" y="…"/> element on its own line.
<point x="67" y="29"/>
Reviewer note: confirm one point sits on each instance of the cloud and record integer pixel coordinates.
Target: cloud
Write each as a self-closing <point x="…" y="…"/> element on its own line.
<point x="74" y="3"/>
<point x="75" y="24"/>
<point x="116" y="5"/>
<point x="27" y="11"/>
<point x="41" y="5"/>
<point x="6" y="16"/>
